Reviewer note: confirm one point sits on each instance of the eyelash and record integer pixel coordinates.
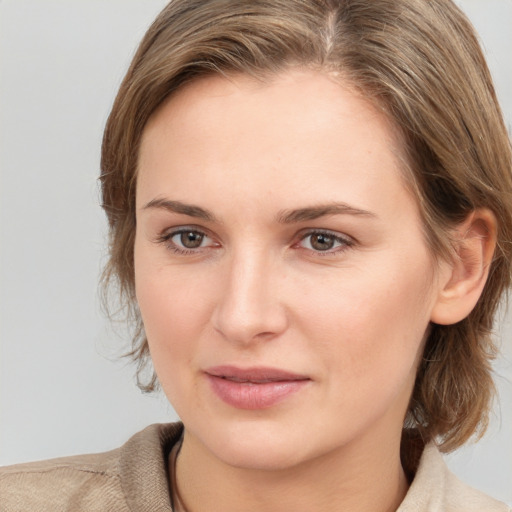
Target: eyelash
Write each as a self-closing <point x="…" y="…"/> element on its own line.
<point x="166" y="239"/>
<point x="344" y="242"/>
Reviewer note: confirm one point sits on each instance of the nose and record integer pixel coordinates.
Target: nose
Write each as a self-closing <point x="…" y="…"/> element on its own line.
<point x="250" y="306"/>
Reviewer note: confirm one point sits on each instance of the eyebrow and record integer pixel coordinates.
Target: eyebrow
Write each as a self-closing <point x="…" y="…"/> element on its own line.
<point x="284" y="217"/>
<point x="179" y="207"/>
<point x="322" y="210"/>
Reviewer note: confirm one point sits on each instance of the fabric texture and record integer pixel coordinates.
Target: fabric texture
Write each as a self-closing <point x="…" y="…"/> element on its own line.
<point x="135" y="478"/>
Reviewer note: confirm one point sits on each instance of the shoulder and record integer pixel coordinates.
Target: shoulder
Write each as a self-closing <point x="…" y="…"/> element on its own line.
<point x="435" y="488"/>
<point x="460" y="494"/>
<point x="103" y="481"/>
<point x="58" y="482"/>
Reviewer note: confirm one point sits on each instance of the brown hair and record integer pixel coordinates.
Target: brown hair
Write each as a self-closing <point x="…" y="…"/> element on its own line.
<point x="419" y="61"/>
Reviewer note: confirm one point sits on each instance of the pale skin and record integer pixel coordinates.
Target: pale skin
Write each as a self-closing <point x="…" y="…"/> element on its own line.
<point x="274" y="229"/>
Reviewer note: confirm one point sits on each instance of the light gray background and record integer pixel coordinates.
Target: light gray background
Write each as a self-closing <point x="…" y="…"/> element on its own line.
<point x="62" y="388"/>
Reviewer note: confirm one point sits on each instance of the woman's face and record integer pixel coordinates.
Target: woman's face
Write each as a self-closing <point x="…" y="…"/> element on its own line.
<point x="281" y="269"/>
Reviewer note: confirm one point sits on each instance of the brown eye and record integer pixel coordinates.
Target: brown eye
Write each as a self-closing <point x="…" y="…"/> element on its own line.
<point x="322" y="241"/>
<point x="325" y="242"/>
<point x="188" y="241"/>
<point x="191" y="239"/>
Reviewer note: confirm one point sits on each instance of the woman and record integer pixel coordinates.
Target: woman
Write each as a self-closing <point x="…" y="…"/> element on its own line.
<point x="309" y="205"/>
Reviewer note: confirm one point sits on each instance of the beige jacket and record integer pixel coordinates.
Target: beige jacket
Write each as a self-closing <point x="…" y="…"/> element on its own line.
<point x="134" y="478"/>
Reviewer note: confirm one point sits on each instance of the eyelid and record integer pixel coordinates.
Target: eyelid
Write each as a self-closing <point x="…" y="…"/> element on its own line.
<point x="165" y="238"/>
<point x="346" y="241"/>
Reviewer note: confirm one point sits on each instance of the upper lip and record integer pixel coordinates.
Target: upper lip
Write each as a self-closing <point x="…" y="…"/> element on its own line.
<point x="258" y="374"/>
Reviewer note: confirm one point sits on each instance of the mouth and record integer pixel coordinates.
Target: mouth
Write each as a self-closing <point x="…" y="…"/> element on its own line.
<point x="254" y="388"/>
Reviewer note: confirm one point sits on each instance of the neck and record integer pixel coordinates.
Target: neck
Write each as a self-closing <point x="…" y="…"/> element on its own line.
<point x="348" y="479"/>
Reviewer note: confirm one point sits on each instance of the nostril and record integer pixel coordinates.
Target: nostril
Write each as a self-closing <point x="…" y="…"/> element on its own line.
<point x="249" y="326"/>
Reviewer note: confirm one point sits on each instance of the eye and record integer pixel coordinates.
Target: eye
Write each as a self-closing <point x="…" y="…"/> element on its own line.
<point x="186" y="240"/>
<point x="324" y="241"/>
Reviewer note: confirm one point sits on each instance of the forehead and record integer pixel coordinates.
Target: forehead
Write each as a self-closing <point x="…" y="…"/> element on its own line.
<point x="301" y="130"/>
<point x="299" y="94"/>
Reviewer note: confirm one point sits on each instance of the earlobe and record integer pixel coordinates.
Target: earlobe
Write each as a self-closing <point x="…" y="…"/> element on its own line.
<point x="462" y="280"/>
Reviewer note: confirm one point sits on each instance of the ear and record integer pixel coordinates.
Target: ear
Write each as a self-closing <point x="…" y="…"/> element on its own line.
<point x="462" y="280"/>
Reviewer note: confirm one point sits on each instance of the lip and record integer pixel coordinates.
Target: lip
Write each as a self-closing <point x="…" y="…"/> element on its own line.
<point x="254" y="388"/>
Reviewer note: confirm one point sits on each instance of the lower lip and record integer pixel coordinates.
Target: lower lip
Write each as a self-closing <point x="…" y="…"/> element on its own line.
<point x="243" y="395"/>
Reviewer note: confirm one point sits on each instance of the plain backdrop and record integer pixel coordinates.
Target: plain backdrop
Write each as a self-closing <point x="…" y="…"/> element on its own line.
<point x="63" y="388"/>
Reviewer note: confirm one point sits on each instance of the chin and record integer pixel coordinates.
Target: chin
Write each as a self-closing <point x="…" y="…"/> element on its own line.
<point x="257" y="445"/>
<point x="262" y="457"/>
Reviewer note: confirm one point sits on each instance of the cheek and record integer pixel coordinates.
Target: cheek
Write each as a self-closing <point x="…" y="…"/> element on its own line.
<point x="174" y="313"/>
<point x="174" y="310"/>
<point x="369" y="326"/>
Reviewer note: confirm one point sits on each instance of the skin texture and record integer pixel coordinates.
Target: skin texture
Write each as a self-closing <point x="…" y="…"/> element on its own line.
<point x="257" y="291"/>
